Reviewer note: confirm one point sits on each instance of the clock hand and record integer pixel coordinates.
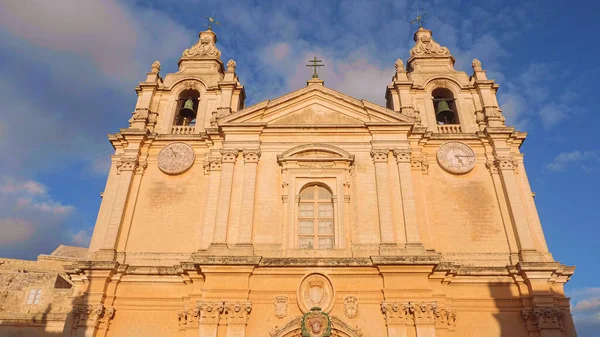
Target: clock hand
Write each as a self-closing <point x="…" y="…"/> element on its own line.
<point x="459" y="160"/>
<point x="175" y="154"/>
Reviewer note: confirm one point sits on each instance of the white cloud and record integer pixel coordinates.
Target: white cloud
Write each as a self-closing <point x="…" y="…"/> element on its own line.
<point x="31" y="220"/>
<point x="552" y="114"/>
<point x="584" y="160"/>
<point x="585" y="307"/>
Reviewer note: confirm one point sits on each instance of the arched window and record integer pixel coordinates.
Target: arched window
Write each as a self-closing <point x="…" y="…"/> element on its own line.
<point x="445" y="108"/>
<point x="315" y="218"/>
<point x="187" y="107"/>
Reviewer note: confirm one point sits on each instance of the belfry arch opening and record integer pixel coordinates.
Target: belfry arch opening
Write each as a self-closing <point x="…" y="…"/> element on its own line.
<point x="445" y="106"/>
<point x="187" y="107"/>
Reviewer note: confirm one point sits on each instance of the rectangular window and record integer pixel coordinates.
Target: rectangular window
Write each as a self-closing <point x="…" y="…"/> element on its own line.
<point x="325" y="243"/>
<point x="307" y="210"/>
<point x="326" y="210"/>
<point x="305" y="243"/>
<point x="307" y="227"/>
<point x="34" y="296"/>
<point x="325" y="226"/>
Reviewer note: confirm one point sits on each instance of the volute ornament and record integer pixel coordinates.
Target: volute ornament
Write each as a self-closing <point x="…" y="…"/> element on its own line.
<point x="427" y="46"/>
<point x="205" y="47"/>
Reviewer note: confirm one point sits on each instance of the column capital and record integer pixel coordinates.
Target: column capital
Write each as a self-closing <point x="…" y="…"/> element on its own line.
<point x="425" y="312"/>
<point x="251" y="155"/>
<point x="127" y="164"/>
<point x="91" y="315"/>
<point x="380" y="155"/>
<point x="402" y="155"/>
<point x="238" y="312"/>
<point x="208" y="312"/>
<point x="229" y="155"/>
<point x="397" y="313"/>
<point x="213" y="164"/>
<point x="538" y="318"/>
<point x="505" y="163"/>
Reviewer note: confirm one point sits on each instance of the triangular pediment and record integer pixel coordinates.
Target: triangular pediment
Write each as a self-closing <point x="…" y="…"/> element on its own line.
<point x="315" y="105"/>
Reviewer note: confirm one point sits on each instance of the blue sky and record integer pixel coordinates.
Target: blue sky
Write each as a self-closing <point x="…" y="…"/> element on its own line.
<point x="68" y="69"/>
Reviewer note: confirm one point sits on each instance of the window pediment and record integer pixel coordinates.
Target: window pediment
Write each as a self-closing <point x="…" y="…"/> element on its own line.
<point x="315" y="153"/>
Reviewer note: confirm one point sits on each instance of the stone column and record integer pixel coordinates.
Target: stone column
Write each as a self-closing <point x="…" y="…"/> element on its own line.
<point x="237" y="317"/>
<point x="208" y="317"/>
<point x="126" y="167"/>
<point x="408" y="198"/>
<point x="210" y="204"/>
<point x="251" y="157"/>
<point x="86" y="319"/>
<point x="506" y="166"/>
<point x="384" y="202"/>
<point x="229" y="158"/>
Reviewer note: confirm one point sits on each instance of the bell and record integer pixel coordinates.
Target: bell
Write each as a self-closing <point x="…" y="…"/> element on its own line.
<point x="188" y="110"/>
<point x="443" y="114"/>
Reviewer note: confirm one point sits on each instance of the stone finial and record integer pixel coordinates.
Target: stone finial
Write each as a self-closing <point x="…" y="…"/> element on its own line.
<point x="231" y="66"/>
<point x="155" y="68"/>
<point x="476" y="64"/>
<point x="399" y="65"/>
<point x="205" y="47"/>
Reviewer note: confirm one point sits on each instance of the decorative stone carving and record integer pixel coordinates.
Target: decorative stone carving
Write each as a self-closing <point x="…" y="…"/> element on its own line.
<point x="479" y="117"/>
<point x="476" y="64"/>
<point x="237" y="312"/>
<point x="493" y="116"/>
<point x="506" y="163"/>
<point x="209" y="312"/>
<point x="441" y="83"/>
<point x="155" y="68"/>
<point x="221" y="112"/>
<point x="205" y="47"/>
<point x="380" y="155"/>
<point x="231" y="66"/>
<point x="91" y="315"/>
<point x="186" y="316"/>
<point x="427" y="46"/>
<point x="142" y="165"/>
<point x="251" y="155"/>
<point x="445" y="319"/>
<point x="176" y="158"/>
<point x="139" y="115"/>
<point x="316" y="323"/>
<point x="491" y="166"/>
<point x="190" y="84"/>
<point x="399" y="66"/>
<point x="281" y="306"/>
<point x="543" y="318"/>
<point x="229" y="155"/>
<point x="351" y="306"/>
<point x="419" y="162"/>
<point x="409" y="111"/>
<point x="127" y="164"/>
<point x="398" y="313"/>
<point x="456" y="157"/>
<point x="425" y="312"/>
<point x="402" y="155"/>
<point x="214" y="164"/>
<point x="152" y="118"/>
<point x="315" y="291"/>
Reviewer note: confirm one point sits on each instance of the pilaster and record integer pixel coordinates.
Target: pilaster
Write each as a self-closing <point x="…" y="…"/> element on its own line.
<point x="386" y="225"/>
<point x="251" y="157"/>
<point x="237" y="314"/>
<point x="209" y="313"/>
<point x="403" y="159"/>
<point x="213" y="166"/>
<point x="228" y="161"/>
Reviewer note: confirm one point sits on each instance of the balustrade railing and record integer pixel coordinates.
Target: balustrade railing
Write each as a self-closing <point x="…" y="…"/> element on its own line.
<point x="449" y="128"/>
<point x="182" y="129"/>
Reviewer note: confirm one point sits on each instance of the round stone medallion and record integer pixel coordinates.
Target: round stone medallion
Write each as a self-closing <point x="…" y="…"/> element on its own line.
<point x="456" y="157"/>
<point x="315" y="290"/>
<point x="176" y="158"/>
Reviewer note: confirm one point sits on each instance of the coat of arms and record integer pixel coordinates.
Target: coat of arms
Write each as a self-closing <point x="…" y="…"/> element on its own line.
<point x="281" y="306"/>
<point x="316" y="323"/>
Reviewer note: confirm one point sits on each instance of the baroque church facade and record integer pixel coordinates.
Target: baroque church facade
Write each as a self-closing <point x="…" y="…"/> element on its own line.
<point x="318" y="214"/>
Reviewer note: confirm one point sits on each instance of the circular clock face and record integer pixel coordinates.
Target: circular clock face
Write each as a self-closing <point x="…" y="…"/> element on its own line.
<point x="176" y="158"/>
<point x="456" y="157"/>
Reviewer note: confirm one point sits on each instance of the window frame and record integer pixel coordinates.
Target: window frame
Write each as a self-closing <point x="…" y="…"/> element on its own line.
<point x="316" y="200"/>
<point x="34" y="296"/>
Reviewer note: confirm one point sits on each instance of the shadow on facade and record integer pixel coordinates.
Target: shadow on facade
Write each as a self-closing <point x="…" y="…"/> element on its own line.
<point x="523" y="310"/>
